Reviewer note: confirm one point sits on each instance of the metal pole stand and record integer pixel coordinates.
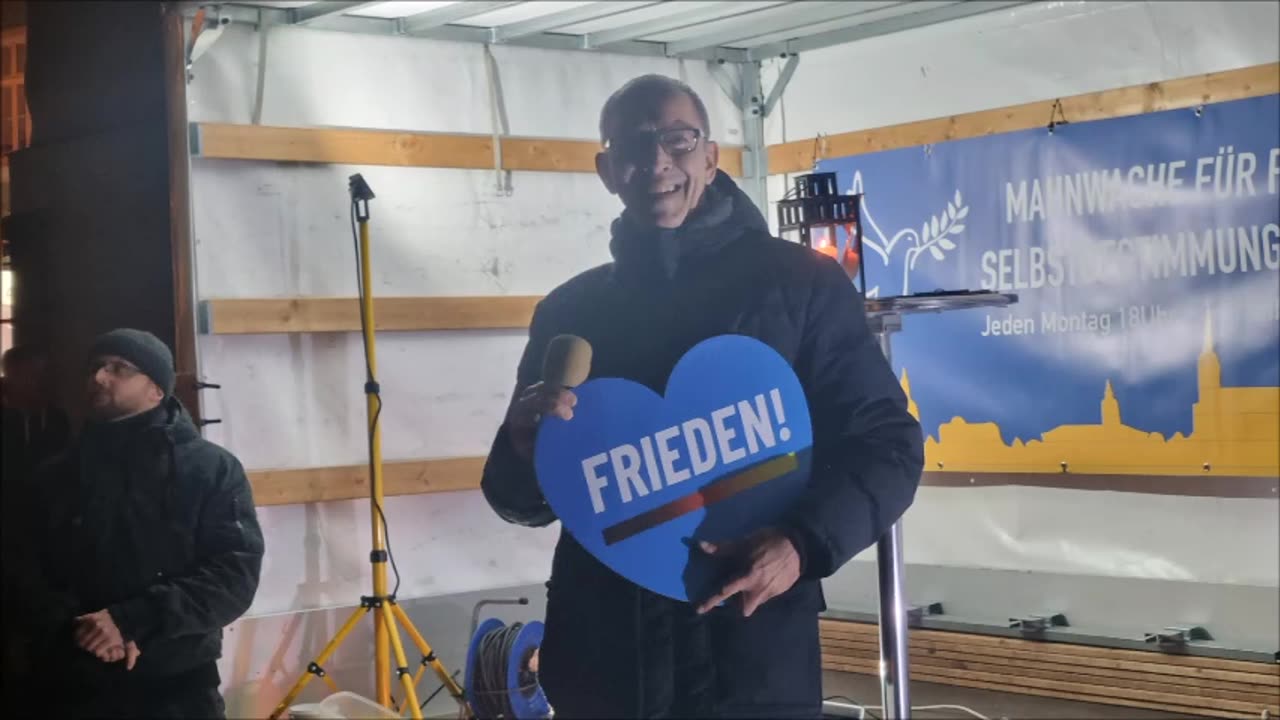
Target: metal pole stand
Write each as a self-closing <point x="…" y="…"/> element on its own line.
<point x="884" y="317"/>
<point x="389" y="619"/>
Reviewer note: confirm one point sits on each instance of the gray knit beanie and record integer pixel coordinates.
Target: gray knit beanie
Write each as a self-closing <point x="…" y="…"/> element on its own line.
<point x="141" y="348"/>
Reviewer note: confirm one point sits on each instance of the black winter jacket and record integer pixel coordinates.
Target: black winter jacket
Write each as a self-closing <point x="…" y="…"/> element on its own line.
<point x="614" y="649"/>
<point x="148" y="520"/>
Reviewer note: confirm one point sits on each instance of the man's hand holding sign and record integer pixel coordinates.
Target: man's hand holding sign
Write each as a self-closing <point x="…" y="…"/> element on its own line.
<point x="641" y="481"/>
<point x="772" y="567"/>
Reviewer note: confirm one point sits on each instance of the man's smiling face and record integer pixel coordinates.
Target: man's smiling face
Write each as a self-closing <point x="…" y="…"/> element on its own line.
<point x="658" y="159"/>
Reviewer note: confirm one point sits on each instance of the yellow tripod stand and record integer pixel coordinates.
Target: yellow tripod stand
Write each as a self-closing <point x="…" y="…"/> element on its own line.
<point x="388" y="616"/>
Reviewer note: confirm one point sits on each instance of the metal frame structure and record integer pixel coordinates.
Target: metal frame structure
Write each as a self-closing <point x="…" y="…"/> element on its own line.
<point x="735" y="36"/>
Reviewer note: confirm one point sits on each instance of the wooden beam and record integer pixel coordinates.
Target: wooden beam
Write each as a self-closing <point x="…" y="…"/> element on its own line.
<point x="1198" y="685"/>
<point x="180" y="246"/>
<point x="1114" y="658"/>
<point x="288" y="487"/>
<point x="800" y="155"/>
<point x="1006" y="684"/>
<point x="313" y="315"/>
<point x="355" y="146"/>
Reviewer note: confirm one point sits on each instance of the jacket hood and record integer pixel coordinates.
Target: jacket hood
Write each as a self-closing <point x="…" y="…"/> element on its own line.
<point x="178" y="422"/>
<point x="724" y="215"/>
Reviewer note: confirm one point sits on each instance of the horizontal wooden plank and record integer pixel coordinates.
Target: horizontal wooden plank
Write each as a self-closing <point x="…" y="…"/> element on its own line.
<point x="1053" y="663"/>
<point x="1266" y="673"/>
<point x="303" y="485"/>
<point x="1011" y="682"/>
<point x="801" y="155"/>
<point x="1214" y="687"/>
<point x="359" y="146"/>
<point x="1110" y="658"/>
<point x="923" y="675"/>
<point x="312" y="315"/>
<point x="1115" y="685"/>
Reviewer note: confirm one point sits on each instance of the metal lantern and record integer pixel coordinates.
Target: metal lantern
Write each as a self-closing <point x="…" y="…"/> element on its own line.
<point x="816" y="209"/>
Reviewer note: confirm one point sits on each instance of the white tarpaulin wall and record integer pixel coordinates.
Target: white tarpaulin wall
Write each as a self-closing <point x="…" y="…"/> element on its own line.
<point x="282" y="230"/>
<point x="271" y="230"/>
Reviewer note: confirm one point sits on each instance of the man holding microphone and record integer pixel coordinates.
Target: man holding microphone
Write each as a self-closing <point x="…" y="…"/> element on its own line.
<point x="693" y="259"/>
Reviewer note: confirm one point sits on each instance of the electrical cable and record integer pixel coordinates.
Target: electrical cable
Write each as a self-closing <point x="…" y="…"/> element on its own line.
<point x="371" y="382"/>
<point x="489" y="686"/>
<point x="432" y="696"/>
<point x="866" y="709"/>
<point x="961" y="708"/>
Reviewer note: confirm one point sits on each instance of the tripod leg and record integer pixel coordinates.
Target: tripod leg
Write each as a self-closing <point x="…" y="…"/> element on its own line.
<point x="429" y="655"/>
<point x="402" y="665"/>
<point x="316" y="667"/>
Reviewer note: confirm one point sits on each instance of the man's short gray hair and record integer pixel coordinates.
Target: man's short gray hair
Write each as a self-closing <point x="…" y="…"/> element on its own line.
<point x="648" y="90"/>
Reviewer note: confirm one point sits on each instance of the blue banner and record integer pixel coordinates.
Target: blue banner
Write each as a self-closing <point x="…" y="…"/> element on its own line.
<point x="1144" y="252"/>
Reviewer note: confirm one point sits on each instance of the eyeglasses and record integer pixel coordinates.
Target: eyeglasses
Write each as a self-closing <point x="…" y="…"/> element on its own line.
<point x="675" y="141"/>
<point x="118" y="368"/>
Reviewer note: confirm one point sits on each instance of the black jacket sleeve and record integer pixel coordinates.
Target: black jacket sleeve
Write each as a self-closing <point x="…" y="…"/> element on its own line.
<point x="509" y="483"/>
<point x="868" y="449"/>
<point x="39" y="611"/>
<point x="220" y="584"/>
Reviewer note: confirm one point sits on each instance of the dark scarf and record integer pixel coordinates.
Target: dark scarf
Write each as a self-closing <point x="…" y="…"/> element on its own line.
<point x="724" y="215"/>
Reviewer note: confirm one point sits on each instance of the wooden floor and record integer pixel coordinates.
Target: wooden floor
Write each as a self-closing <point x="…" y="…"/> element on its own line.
<point x="865" y="690"/>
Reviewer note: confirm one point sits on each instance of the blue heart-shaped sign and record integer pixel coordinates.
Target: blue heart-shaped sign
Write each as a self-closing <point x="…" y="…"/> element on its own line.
<point x="638" y="479"/>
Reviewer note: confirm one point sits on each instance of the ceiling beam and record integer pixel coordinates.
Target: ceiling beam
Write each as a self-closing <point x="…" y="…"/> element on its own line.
<point x="905" y="7"/>
<point x="882" y="27"/>
<point x="565" y="18"/>
<point x="439" y="17"/>
<point x="775" y="19"/>
<point x="318" y="10"/>
<point x="560" y="41"/>
<point x="679" y="20"/>
<point x="251" y="16"/>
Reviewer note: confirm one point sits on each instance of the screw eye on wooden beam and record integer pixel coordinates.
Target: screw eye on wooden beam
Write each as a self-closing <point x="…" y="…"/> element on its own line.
<point x="349" y="482"/>
<point x="318" y="315"/>
<point x="1188" y="92"/>
<point x="355" y="146"/>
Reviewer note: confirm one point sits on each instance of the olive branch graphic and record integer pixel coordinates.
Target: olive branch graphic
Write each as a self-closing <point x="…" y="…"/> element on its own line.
<point x="934" y="236"/>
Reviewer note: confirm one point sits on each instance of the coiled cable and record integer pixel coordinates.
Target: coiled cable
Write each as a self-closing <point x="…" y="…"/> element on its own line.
<point x="490" y="687"/>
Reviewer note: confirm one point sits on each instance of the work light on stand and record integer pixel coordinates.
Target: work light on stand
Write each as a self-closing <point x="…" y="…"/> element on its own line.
<point x="817" y="210"/>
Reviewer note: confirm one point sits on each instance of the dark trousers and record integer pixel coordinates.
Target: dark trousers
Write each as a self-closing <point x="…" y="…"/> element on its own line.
<point x="187" y="704"/>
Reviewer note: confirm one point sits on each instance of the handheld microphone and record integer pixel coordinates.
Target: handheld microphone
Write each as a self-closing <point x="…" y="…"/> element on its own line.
<point x="567" y="362"/>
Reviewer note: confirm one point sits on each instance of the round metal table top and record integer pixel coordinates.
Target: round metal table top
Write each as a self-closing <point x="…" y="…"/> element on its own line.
<point x="938" y="302"/>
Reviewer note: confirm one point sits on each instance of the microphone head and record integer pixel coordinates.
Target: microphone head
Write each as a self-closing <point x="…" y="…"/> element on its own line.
<point x="567" y="362"/>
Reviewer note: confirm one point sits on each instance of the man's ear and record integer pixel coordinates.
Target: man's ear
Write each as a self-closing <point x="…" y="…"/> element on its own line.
<point x="713" y="160"/>
<point x="605" y="170"/>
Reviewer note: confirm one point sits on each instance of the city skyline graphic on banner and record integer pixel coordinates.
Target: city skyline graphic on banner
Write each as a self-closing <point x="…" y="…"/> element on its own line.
<point x="1235" y="432"/>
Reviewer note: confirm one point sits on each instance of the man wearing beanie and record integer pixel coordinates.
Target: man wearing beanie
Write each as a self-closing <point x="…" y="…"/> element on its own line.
<point x="145" y="544"/>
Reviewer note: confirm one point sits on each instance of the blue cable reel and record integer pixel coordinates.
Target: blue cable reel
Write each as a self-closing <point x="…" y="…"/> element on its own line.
<point x="499" y="682"/>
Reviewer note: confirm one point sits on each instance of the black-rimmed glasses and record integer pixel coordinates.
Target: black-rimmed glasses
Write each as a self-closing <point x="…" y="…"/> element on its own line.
<point x="675" y="141"/>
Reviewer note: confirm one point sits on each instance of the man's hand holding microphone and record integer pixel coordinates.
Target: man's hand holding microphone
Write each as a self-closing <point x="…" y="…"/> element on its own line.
<point x="536" y="402"/>
<point x="566" y="365"/>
